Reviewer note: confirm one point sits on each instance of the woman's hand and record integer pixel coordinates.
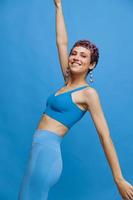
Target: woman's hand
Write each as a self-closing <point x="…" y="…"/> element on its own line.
<point x="125" y="189"/>
<point x="57" y="2"/>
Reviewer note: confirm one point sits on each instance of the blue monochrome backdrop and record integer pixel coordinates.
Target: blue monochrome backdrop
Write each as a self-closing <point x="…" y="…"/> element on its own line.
<point x="30" y="72"/>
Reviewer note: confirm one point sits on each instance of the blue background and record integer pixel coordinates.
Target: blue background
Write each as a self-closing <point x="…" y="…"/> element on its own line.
<point x="30" y="71"/>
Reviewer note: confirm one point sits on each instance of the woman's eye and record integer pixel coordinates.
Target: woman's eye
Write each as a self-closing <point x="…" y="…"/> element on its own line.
<point x="83" y="56"/>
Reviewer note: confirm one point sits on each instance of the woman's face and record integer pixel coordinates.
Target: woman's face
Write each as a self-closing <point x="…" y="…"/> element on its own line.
<point x="79" y="60"/>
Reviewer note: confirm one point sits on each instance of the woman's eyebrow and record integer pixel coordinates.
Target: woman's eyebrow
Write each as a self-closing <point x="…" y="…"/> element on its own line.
<point x="83" y="52"/>
<point x="79" y="52"/>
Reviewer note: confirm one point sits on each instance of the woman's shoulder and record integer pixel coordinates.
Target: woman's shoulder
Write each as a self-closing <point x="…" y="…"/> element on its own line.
<point x="91" y="92"/>
<point x="91" y="96"/>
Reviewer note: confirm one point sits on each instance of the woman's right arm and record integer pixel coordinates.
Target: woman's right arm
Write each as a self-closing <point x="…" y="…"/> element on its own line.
<point x="61" y="38"/>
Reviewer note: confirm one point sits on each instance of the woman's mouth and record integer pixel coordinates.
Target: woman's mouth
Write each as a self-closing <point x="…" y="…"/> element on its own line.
<point x="76" y="63"/>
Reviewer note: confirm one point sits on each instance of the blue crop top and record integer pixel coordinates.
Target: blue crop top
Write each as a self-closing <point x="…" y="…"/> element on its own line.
<point x="62" y="108"/>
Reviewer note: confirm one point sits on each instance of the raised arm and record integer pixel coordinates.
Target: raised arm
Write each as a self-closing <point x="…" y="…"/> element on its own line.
<point x="95" y="109"/>
<point x="61" y="38"/>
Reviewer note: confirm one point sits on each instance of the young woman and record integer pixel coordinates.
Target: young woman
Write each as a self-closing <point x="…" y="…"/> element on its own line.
<point x="63" y="109"/>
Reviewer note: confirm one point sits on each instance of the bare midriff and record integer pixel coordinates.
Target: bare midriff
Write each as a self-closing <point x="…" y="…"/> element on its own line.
<point x="50" y="124"/>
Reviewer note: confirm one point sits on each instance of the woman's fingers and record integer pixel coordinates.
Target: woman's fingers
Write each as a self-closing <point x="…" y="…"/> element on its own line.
<point x="125" y="189"/>
<point x="129" y="195"/>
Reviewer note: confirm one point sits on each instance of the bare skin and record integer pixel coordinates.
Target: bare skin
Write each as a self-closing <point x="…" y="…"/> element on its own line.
<point x="47" y="123"/>
<point x="74" y="70"/>
<point x="78" y="63"/>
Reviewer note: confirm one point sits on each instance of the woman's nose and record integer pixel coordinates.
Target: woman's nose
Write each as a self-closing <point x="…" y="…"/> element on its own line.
<point x="76" y="57"/>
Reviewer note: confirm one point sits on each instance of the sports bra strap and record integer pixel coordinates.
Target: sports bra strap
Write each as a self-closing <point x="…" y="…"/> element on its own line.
<point x="69" y="91"/>
<point x="79" y="88"/>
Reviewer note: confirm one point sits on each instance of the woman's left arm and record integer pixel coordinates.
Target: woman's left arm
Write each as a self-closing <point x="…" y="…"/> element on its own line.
<point x="95" y="109"/>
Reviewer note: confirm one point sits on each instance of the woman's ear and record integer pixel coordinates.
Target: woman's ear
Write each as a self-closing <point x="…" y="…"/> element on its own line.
<point x="92" y="65"/>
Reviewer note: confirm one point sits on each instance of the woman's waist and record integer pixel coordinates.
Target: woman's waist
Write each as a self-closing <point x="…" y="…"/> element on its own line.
<point x="47" y="139"/>
<point x="48" y="123"/>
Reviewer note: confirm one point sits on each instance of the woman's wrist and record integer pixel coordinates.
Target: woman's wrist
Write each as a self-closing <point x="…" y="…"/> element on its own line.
<point x="118" y="179"/>
<point x="58" y="5"/>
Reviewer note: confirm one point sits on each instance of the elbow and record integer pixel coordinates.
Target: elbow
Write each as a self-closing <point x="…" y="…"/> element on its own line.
<point x="60" y="42"/>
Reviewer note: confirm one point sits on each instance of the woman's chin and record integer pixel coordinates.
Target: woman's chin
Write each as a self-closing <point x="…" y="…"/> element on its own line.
<point x="75" y="72"/>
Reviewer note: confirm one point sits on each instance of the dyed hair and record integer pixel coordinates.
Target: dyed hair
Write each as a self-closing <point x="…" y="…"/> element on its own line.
<point x="93" y="49"/>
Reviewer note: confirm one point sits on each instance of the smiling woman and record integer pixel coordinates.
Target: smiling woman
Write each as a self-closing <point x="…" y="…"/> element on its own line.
<point x="64" y="108"/>
<point x="80" y="56"/>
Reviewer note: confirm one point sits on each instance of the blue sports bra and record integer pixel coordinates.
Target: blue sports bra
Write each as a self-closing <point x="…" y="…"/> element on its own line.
<point x="62" y="108"/>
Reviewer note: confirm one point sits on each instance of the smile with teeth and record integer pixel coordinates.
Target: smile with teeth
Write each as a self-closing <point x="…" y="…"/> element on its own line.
<point x="76" y="63"/>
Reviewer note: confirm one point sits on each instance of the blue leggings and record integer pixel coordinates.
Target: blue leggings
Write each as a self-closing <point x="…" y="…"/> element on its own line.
<point x="44" y="166"/>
